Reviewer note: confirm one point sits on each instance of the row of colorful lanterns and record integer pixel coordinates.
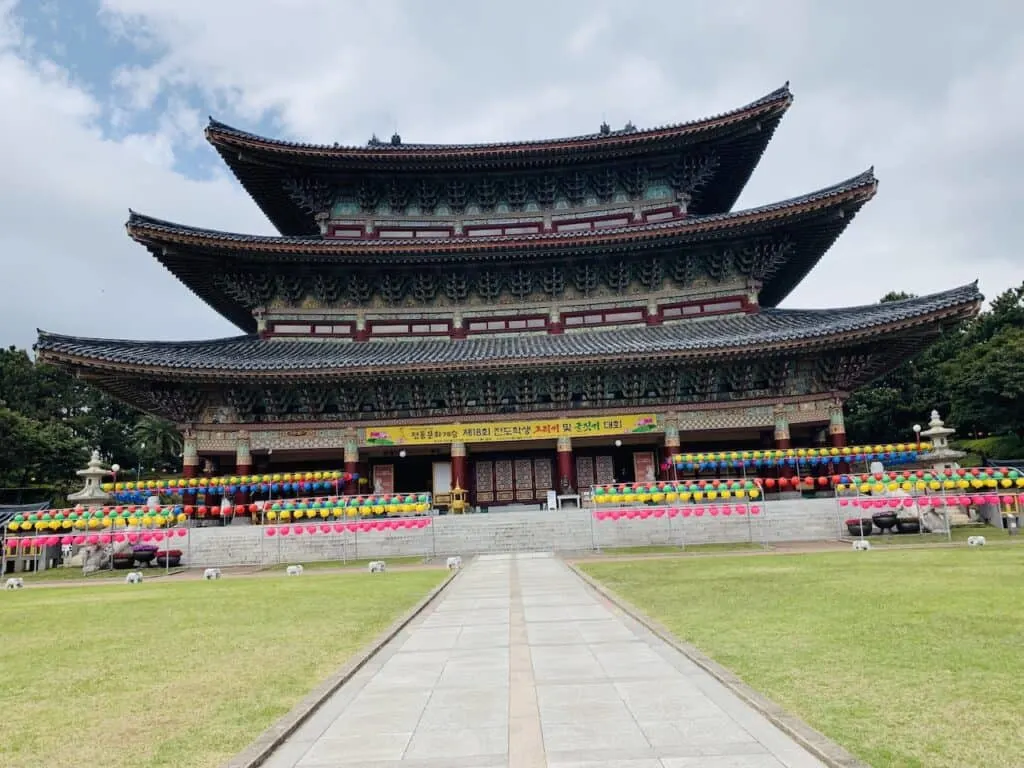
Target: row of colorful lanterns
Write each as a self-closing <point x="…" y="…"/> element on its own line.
<point x="670" y="496"/>
<point x="714" y="510"/>
<point x="328" y="528"/>
<point x="177" y="484"/>
<point x="1006" y="499"/>
<point x="25" y="542"/>
<point x="893" y="454"/>
<point x="92" y="523"/>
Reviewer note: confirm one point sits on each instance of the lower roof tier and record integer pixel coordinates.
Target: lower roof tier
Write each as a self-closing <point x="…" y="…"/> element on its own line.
<point x="770" y="331"/>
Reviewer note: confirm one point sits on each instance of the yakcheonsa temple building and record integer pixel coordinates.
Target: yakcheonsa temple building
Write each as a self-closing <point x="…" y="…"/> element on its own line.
<point x="510" y="318"/>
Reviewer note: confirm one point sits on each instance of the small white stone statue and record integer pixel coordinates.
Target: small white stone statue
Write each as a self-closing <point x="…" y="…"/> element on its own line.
<point x="454" y="563"/>
<point x="294" y="570"/>
<point x="134" y="577"/>
<point x="14" y="583"/>
<point x="975" y="541"/>
<point x="377" y="566"/>
<point x="211" y="573"/>
<point x="861" y="546"/>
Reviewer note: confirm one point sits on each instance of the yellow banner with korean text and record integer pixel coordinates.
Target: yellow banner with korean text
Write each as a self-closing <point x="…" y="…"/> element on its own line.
<point x="510" y="431"/>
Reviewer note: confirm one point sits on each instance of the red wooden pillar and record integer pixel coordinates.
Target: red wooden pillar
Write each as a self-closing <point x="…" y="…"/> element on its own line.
<point x="459" y="466"/>
<point x="351" y="465"/>
<point x="566" y="480"/>
<point x="243" y="464"/>
<point x="782" y="440"/>
<point x="670" y="450"/>
<point x="189" y="464"/>
<point x="837" y="426"/>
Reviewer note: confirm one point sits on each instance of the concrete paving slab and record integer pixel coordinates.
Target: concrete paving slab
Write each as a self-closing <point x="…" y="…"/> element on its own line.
<point x="521" y="665"/>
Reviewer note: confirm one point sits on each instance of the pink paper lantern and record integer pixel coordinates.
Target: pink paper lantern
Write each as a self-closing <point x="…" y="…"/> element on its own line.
<point x="380" y="525"/>
<point x="339" y="527"/>
<point x="726" y="510"/>
<point x="687" y="512"/>
<point x="311" y="529"/>
<point x="755" y="509"/>
<point x="105" y="538"/>
<point x="325" y="528"/>
<point x="119" y="537"/>
<point x="181" y="532"/>
<point x="284" y="530"/>
<point x="631" y="514"/>
<point x="908" y="502"/>
<point x="66" y="540"/>
<point x="78" y="540"/>
<point x="713" y="511"/>
<point x="394" y="525"/>
<point x="426" y="521"/>
<point x="298" y="530"/>
<point x="93" y="539"/>
<point x="351" y="527"/>
<point x="644" y="514"/>
<point x="600" y="515"/>
<point x="993" y="498"/>
<point x="698" y="511"/>
<point x="741" y="510"/>
<point x="271" y="531"/>
<point x="363" y="527"/>
<point x="844" y="502"/>
<point x="965" y="500"/>
<point x="658" y="512"/>
<point x="158" y="536"/>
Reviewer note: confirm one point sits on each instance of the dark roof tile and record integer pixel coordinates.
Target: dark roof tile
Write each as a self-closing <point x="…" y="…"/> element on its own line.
<point x="737" y="333"/>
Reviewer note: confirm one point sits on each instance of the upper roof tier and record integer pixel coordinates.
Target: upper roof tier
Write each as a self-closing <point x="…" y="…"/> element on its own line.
<point x="768" y="332"/>
<point x="271" y="169"/>
<point x="776" y="245"/>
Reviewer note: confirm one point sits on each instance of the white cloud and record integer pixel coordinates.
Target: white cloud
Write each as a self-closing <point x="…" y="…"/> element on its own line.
<point x="933" y="102"/>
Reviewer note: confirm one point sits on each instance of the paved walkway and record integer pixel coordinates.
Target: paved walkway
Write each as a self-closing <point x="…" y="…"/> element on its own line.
<point x="520" y="664"/>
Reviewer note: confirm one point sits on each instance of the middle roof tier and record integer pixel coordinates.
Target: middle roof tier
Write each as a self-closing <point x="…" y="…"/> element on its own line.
<point x="768" y="249"/>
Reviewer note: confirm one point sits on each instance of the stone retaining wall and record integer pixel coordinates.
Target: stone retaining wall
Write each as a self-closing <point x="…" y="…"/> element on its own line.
<point x="572" y="530"/>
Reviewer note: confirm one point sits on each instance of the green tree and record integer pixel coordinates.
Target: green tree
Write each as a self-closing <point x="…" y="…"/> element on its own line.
<point x="159" y="442"/>
<point x="986" y="383"/>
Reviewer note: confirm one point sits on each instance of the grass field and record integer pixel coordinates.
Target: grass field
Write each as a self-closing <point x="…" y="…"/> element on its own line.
<point x="75" y="574"/>
<point x="908" y="658"/>
<point x="323" y="565"/>
<point x="693" y="549"/>
<point x="180" y="674"/>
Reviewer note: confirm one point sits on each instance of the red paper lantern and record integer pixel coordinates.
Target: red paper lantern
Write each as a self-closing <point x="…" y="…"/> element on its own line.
<point x="823" y="481"/>
<point x="769" y="482"/>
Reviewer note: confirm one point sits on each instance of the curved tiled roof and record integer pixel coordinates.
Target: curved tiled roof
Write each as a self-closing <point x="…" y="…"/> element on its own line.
<point x="147" y="229"/>
<point x="262" y="165"/>
<point x="220" y="133"/>
<point x="809" y="221"/>
<point x="760" y="333"/>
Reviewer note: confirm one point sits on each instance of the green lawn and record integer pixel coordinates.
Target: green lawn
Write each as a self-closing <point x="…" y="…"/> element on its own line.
<point x="75" y="574"/>
<point x="177" y="673"/>
<point x="908" y="658"/>
<point x="322" y="565"/>
<point x="739" y="546"/>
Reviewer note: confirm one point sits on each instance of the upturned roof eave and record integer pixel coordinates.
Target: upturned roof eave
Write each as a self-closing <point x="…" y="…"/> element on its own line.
<point x="960" y="304"/>
<point x="220" y="134"/>
<point x="152" y="231"/>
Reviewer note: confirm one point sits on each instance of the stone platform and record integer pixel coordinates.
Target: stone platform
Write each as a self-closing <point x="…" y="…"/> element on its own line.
<point x="567" y="530"/>
<point x="520" y="664"/>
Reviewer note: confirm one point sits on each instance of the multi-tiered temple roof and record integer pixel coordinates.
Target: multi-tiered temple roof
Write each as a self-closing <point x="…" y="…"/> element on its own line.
<point x="595" y="272"/>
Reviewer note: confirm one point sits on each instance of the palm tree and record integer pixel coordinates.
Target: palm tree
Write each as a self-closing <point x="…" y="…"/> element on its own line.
<point x="158" y="440"/>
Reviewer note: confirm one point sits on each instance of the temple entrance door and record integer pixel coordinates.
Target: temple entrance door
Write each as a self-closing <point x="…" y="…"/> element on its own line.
<point x="523" y="479"/>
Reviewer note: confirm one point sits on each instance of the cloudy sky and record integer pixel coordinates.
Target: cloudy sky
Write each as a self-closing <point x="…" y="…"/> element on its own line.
<point x="104" y="103"/>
